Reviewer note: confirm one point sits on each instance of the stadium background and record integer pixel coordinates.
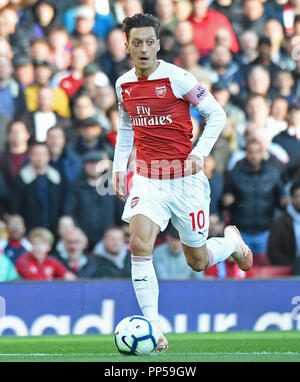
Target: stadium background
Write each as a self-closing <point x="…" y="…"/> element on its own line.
<point x="266" y="298"/>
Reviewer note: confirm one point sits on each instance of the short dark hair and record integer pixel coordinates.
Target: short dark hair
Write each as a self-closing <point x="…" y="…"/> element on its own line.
<point x="140" y="20"/>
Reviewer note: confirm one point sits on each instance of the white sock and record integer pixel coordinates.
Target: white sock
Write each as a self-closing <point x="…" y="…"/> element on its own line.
<point x="145" y="285"/>
<point x="219" y="249"/>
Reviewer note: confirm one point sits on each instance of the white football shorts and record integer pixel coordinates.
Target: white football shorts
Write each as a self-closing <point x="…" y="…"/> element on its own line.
<point x="183" y="200"/>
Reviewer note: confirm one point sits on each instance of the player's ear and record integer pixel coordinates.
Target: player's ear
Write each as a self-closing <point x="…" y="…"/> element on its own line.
<point x="158" y="45"/>
<point x="127" y="47"/>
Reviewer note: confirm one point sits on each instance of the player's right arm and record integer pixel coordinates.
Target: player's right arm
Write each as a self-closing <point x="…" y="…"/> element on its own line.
<point x="122" y="150"/>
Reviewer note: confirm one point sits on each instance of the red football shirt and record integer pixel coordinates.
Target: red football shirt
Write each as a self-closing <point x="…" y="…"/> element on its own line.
<point x="30" y="269"/>
<point x="159" y="110"/>
<point x="204" y="33"/>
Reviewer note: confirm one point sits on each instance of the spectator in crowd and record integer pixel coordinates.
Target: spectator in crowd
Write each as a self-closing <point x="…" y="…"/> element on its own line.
<point x="82" y="108"/>
<point x="3" y="228"/>
<point x="114" y="61"/>
<point x="67" y="163"/>
<point x="16" y="244"/>
<point x="183" y="9"/>
<point x="274" y="31"/>
<point x="248" y="47"/>
<point x="278" y="115"/>
<point x="168" y="46"/>
<point x="284" y="85"/>
<point x="284" y="240"/>
<point x="102" y="23"/>
<point x="204" y="22"/>
<point x="289" y="139"/>
<point x="220" y="62"/>
<point x="184" y="33"/>
<point x="188" y="59"/>
<point x="12" y="103"/>
<point x="60" y="47"/>
<point x="78" y="261"/>
<point x="65" y="223"/>
<point x="235" y="115"/>
<point x="43" y="72"/>
<point x="40" y="120"/>
<point x="253" y="17"/>
<point x="93" y="77"/>
<point x="40" y="50"/>
<point x="105" y="98"/>
<point x="273" y="152"/>
<point x="93" y="46"/>
<point x="216" y="183"/>
<point x="16" y="153"/>
<point x="263" y="58"/>
<point x="169" y="260"/>
<point x="165" y="11"/>
<point x="38" y="264"/>
<point x="8" y="271"/>
<point x="84" y="21"/>
<point x="23" y="71"/>
<point x="38" y="192"/>
<point x="72" y="79"/>
<point x="253" y="191"/>
<point x="114" y="260"/>
<point x="94" y="211"/>
<point x="231" y="9"/>
<point x="91" y="137"/>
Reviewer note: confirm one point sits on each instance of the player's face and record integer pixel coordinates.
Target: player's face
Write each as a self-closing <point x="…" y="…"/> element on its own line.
<point x="143" y="46"/>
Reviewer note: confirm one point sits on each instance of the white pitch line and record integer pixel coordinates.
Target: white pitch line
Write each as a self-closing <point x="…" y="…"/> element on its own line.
<point x="178" y="353"/>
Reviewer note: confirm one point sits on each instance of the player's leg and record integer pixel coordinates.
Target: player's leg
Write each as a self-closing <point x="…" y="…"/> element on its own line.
<point x="218" y="249"/>
<point x="190" y="215"/>
<point x="143" y="233"/>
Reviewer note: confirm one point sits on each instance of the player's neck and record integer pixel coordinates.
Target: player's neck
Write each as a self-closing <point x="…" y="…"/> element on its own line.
<point x="142" y="73"/>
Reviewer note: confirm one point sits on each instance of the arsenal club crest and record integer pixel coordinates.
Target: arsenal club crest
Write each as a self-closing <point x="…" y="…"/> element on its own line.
<point x="161" y="91"/>
<point x="134" y="201"/>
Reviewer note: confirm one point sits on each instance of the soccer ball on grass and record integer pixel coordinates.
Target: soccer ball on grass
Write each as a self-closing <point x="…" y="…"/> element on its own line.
<point x="135" y="335"/>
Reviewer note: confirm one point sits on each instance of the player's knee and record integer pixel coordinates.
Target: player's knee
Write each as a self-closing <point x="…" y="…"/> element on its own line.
<point x="196" y="265"/>
<point x="139" y="247"/>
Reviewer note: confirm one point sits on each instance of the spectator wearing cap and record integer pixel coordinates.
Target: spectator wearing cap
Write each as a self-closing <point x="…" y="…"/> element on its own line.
<point x="40" y="120"/>
<point x="89" y="200"/>
<point x="169" y="260"/>
<point x="91" y="137"/>
<point x="66" y="162"/>
<point x="93" y="77"/>
<point x="43" y="72"/>
<point x="38" y="192"/>
<point x="205" y="22"/>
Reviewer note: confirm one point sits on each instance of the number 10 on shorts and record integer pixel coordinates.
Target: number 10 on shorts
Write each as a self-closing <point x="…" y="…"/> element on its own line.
<point x="198" y="220"/>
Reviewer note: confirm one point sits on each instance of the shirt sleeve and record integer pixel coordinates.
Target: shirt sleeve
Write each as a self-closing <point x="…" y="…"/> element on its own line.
<point x="187" y="88"/>
<point x="125" y="137"/>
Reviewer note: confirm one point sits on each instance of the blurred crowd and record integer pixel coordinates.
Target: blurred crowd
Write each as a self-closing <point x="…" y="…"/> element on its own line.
<point x="59" y="61"/>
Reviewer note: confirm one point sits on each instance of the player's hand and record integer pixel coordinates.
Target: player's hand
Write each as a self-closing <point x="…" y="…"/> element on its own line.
<point x="193" y="165"/>
<point x="118" y="185"/>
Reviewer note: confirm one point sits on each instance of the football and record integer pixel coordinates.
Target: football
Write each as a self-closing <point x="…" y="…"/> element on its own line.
<point x="135" y="335"/>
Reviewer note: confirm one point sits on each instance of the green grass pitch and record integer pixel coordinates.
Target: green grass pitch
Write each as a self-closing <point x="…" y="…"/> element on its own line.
<point x="269" y="346"/>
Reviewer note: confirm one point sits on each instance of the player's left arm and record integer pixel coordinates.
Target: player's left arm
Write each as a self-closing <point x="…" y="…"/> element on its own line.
<point x="190" y="91"/>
